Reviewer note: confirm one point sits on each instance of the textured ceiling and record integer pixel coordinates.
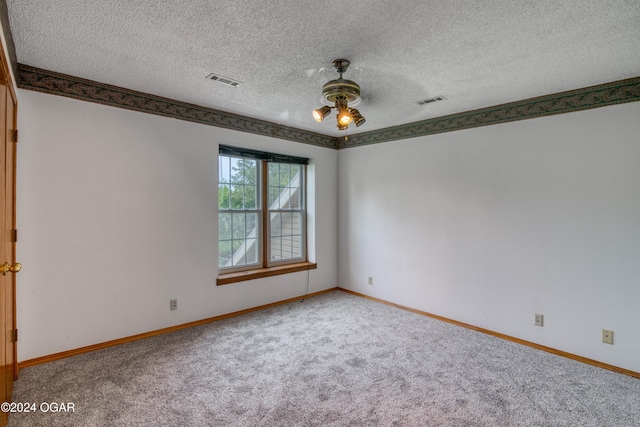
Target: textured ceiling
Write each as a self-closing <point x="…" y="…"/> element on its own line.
<point x="475" y="54"/>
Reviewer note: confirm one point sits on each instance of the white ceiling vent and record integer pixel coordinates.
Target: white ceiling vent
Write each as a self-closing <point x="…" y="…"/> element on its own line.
<point x="224" y="80"/>
<point x="430" y="100"/>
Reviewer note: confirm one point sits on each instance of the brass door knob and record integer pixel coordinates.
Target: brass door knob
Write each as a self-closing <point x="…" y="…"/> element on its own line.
<point x="14" y="268"/>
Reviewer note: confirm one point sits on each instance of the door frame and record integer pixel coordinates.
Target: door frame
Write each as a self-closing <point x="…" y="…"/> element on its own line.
<point x="10" y="137"/>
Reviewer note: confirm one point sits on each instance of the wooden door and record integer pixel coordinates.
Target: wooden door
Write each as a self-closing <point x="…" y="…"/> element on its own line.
<point x="8" y="350"/>
<point x="10" y="227"/>
<point x="4" y="256"/>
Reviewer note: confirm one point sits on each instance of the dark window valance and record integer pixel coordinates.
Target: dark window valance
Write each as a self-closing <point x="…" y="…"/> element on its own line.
<point x="227" y="150"/>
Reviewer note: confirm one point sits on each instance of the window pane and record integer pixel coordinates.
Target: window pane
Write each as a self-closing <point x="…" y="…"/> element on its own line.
<point x="285" y="225"/>
<point x="224" y="256"/>
<point x="296" y="246"/>
<point x="274" y="171"/>
<point x="284" y="186"/>
<point x="285" y="170"/>
<point x="295" y="198"/>
<point x="238" y="252"/>
<point x="286" y="247"/>
<point x="224" y="169"/>
<point x="250" y="197"/>
<point x="252" y="251"/>
<point x="243" y="171"/>
<point x="273" y="195"/>
<point x="296" y="223"/>
<point x="295" y="172"/>
<point x="224" y="226"/>
<point x="236" y="170"/>
<point x="239" y="239"/>
<point x="276" y="224"/>
<point x="252" y="225"/>
<point x="286" y="235"/>
<point x="238" y="225"/>
<point x="224" y="193"/>
<point x="285" y="198"/>
<point x="276" y="249"/>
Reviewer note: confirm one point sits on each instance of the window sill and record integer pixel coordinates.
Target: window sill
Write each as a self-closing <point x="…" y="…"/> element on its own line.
<point x="241" y="276"/>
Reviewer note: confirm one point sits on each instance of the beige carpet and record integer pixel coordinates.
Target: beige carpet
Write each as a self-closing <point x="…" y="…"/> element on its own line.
<point x="332" y="360"/>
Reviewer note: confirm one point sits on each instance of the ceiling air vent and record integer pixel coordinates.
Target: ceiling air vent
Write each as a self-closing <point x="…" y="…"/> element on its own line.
<point x="430" y="100"/>
<point x="224" y="80"/>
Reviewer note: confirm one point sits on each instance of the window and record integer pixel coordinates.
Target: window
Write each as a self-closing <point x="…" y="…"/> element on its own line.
<point x="238" y="212"/>
<point x="261" y="213"/>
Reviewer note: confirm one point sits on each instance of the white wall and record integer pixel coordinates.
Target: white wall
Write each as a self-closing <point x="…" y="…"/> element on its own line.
<point x="117" y="215"/>
<point x="490" y="225"/>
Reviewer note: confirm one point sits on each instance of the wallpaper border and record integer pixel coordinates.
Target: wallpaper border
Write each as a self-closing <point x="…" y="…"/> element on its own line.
<point x="40" y="80"/>
<point x="53" y="83"/>
<point x="617" y="92"/>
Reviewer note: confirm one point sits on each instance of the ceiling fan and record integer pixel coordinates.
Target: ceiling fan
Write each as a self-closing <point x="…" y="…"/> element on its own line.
<point x="338" y="94"/>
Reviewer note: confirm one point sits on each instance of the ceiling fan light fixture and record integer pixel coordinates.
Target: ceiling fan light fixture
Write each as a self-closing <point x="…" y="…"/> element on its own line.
<point x="338" y="94"/>
<point x="357" y="117"/>
<point x="344" y="117"/>
<point x="321" y="113"/>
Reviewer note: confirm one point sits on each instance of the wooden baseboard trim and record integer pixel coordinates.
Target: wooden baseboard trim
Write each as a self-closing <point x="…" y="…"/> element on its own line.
<point x="503" y="336"/>
<point x="112" y="343"/>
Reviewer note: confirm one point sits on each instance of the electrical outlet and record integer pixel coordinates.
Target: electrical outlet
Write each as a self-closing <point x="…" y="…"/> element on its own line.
<point x="539" y="320"/>
<point x="607" y="336"/>
<point x="173" y="304"/>
<point x="371" y="280"/>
